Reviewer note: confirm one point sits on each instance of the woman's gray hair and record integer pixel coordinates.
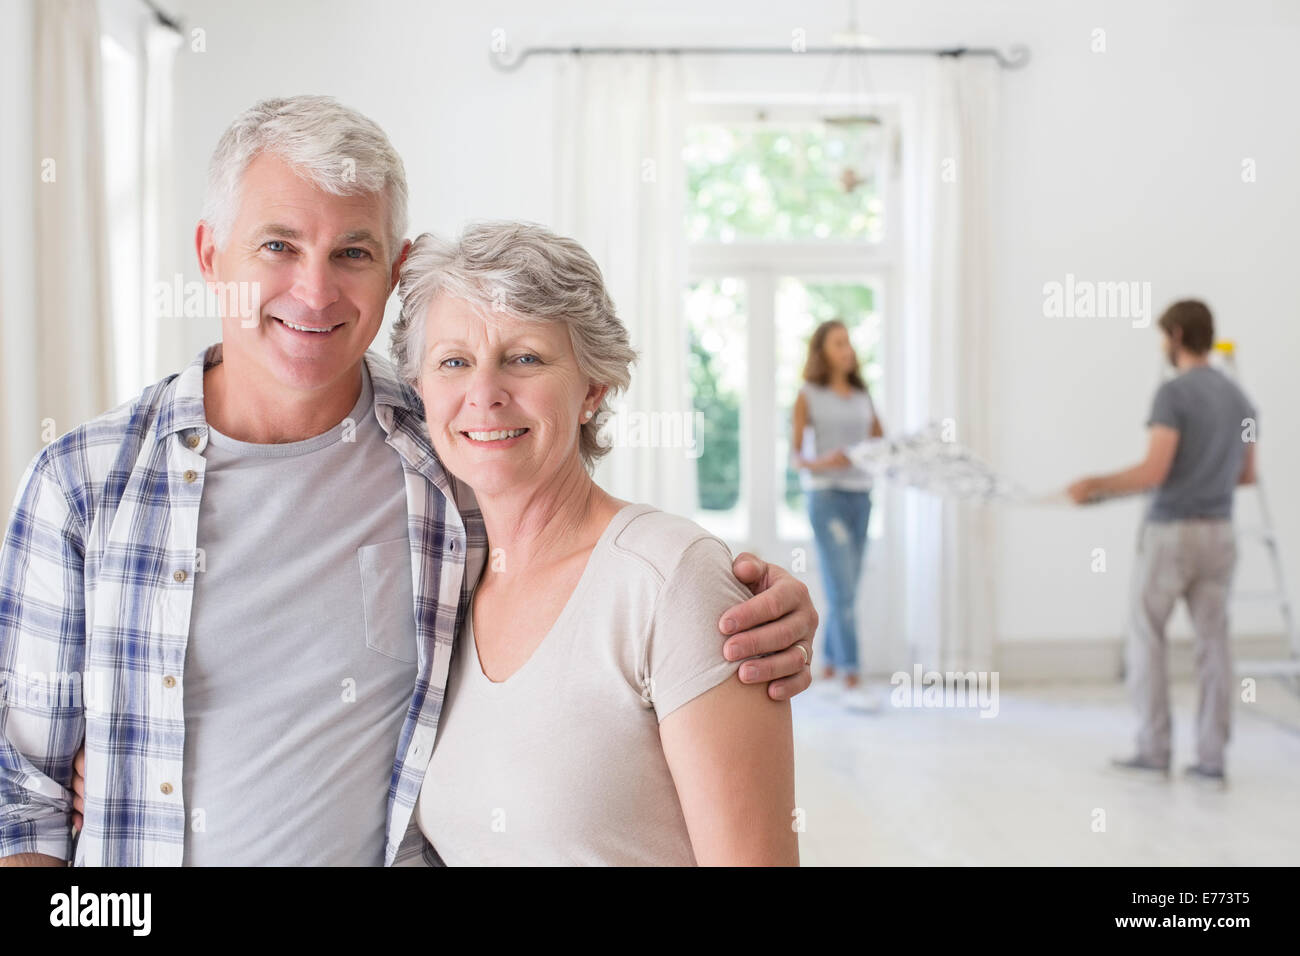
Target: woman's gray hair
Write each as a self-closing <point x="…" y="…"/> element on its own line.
<point x="334" y="147"/>
<point x="525" y="271"/>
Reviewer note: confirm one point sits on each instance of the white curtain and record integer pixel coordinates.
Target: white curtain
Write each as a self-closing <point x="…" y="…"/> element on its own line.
<point x="166" y="348"/>
<point x="948" y="606"/>
<point x="73" y="348"/>
<point x="620" y="191"/>
<point x="138" y="58"/>
<point x="19" y="181"/>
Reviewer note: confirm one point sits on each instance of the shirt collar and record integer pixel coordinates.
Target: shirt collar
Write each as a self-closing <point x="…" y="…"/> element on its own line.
<point x="401" y="414"/>
<point x="389" y="389"/>
<point x="397" y="407"/>
<point x="184" y="408"/>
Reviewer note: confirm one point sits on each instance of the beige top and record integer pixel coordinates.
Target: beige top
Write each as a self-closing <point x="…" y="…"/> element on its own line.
<point x="561" y="764"/>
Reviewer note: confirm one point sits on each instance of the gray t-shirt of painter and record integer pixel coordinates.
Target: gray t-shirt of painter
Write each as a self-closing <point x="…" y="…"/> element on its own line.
<point x="301" y="659"/>
<point x="1214" y="420"/>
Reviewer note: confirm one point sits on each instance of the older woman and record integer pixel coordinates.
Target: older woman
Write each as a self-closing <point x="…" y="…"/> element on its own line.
<point x="590" y="717"/>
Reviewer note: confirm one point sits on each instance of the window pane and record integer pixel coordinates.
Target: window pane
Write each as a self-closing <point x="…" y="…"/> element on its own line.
<point x="802" y="305"/>
<point x="716" y="323"/>
<point x="784" y="182"/>
<point x="119" y="108"/>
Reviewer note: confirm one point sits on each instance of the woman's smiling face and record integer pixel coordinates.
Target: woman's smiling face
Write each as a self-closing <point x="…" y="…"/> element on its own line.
<point x="504" y="398"/>
<point x="839" y="350"/>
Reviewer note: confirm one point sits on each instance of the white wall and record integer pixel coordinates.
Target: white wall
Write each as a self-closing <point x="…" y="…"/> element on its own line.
<point x="1122" y="165"/>
<point x="1127" y="165"/>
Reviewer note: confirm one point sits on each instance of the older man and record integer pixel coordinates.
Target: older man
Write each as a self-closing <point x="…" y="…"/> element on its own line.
<point x="257" y="568"/>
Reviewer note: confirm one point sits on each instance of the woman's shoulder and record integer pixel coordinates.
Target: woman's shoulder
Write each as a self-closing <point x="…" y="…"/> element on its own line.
<point x="813" y="397"/>
<point x="660" y="541"/>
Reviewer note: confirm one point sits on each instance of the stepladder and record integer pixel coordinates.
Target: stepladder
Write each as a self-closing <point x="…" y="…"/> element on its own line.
<point x="1261" y="532"/>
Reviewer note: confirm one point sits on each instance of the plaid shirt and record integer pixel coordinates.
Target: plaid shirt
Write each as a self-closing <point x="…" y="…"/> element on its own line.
<point x="96" y="584"/>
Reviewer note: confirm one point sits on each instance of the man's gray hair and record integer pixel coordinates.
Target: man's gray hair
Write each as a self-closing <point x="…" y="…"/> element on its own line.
<point x="524" y="271"/>
<point x="332" y="146"/>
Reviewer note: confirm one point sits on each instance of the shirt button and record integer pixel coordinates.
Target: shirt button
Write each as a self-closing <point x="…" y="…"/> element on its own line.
<point x="179" y="577"/>
<point x="166" y="788"/>
<point x="169" y="681"/>
<point x="190" y="475"/>
<point x="192" y="441"/>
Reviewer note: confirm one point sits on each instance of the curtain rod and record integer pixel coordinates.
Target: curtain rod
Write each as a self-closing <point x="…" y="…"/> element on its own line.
<point x="1015" y="58"/>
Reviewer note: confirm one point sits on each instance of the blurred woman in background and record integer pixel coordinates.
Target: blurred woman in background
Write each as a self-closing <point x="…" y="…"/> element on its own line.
<point x="833" y="412"/>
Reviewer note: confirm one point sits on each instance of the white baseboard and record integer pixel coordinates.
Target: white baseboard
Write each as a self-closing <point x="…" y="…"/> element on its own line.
<point x="1102" y="659"/>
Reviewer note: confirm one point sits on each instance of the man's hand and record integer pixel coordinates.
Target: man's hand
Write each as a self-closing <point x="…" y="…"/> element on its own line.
<point x="1247" y="476"/>
<point x="79" y="788"/>
<point x="78" y="808"/>
<point x="31" y="859"/>
<point x="779" y="616"/>
<point x="1151" y="472"/>
<point x="1082" y="491"/>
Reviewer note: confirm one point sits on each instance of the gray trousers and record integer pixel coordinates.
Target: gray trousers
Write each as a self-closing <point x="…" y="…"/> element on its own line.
<point x="1192" y="559"/>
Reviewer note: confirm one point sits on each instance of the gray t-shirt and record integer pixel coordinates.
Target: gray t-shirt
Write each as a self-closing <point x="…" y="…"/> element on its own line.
<point x="835" y="422"/>
<point x="302" y="648"/>
<point x="561" y="763"/>
<point x="1214" y="419"/>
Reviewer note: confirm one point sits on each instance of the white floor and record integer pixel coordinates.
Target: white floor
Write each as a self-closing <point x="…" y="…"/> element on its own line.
<point x="934" y="786"/>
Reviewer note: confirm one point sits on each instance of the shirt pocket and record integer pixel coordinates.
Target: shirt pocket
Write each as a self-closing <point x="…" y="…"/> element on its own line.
<point x="389" y="599"/>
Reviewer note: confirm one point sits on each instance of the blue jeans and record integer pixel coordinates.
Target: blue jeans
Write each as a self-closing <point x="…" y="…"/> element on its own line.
<point x="839" y="521"/>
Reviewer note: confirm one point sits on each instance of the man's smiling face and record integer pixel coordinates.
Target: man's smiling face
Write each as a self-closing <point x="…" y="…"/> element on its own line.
<point x="323" y="271"/>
